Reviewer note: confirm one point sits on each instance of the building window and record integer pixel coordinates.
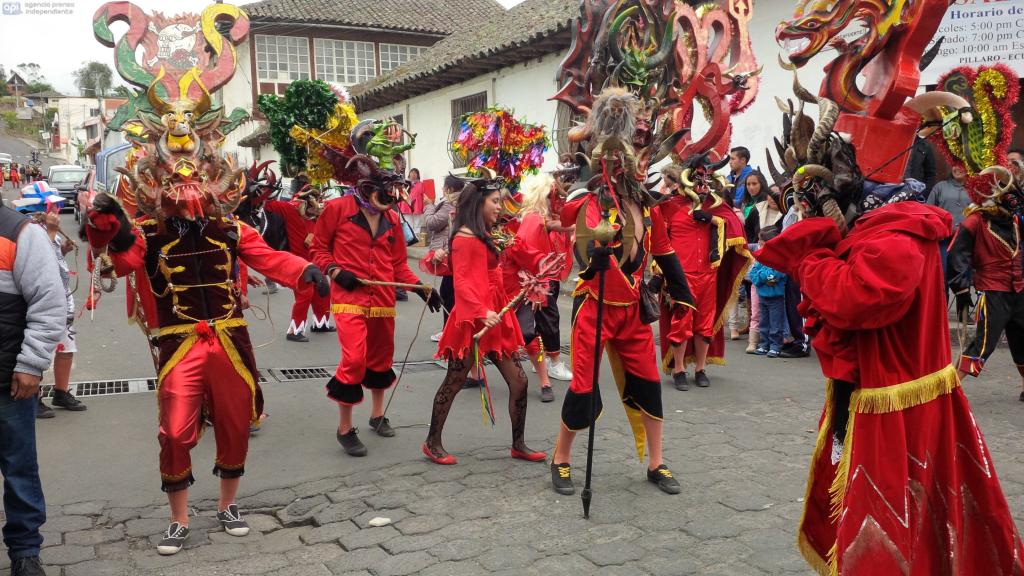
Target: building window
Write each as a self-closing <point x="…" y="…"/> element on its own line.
<point x="344" y="61"/>
<point x="394" y="55"/>
<point x="461" y="107"/>
<point x="282" y="58"/>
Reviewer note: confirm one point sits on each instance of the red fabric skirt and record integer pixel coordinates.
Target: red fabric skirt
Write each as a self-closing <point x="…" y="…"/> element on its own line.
<point x="505" y="339"/>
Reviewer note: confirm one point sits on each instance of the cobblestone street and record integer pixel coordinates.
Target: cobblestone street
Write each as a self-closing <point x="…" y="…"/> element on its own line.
<point x="740" y="451"/>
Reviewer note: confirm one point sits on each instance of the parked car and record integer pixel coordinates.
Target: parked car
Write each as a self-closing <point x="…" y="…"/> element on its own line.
<point x="102" y="178"/>
<point x="64" y="179"/>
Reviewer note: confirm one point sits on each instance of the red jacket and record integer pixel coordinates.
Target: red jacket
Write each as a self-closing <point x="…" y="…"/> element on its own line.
<point x="343" y="238"/>
<point x="297" y="227"/>
<point x="986" y="251"/>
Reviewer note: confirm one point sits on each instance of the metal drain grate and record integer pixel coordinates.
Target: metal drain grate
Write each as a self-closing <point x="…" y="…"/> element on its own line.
<point x="292" y="374"/>
<point x="104" y="387"/>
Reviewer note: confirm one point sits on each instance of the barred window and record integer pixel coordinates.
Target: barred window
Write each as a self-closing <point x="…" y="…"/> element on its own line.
<point x="344" y="61"/>
<point x="394" y="55"/>
<point x="461" y="107"/>
<point x="281" y="58"/>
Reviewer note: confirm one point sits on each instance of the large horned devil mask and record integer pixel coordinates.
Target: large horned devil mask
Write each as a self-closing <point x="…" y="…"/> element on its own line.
<point x="699" y="179"/>
<point x="380" y="188"/>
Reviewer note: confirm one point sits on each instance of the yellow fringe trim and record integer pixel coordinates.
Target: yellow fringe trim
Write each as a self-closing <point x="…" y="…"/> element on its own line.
<point x="881" y="401"/>
<point x="741" y="250"/>
<point x="906" y="394"/>
<point x="368" y="311"/>
<point x="824" y="433"/>
<point x="593" y="296"/>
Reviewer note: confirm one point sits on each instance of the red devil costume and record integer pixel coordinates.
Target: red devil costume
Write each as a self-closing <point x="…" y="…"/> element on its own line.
<point x="186" y="274"/>
<point x="363" y="315"/>
<point x="300" y="216"/>
<point x="900" y="471"/>
<point x="711" y="247"/>
<point x="628" y="341"/>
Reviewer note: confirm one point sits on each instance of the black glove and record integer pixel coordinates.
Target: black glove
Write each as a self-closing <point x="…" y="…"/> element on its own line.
<point x="675" y="279"/>
<point x="312" y="275"/>
<point x="655" y="283"/>
<point x="346" y="279"/>
<point x="702" y="216"/>
<point x="432" y="298"/>
<point x="600" y="260"/>
<point x="963" y="303"/>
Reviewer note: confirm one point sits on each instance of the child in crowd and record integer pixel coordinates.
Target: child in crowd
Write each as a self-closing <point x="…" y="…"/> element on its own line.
<point x="771" y="291"/>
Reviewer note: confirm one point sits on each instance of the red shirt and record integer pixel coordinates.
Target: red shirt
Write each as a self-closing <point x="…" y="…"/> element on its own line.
<point x="343" y="238"/>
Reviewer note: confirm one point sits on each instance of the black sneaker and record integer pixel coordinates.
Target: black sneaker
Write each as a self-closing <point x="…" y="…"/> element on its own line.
<point x="232" y="521"/>
<point x="67" y="401"/>
<point x="28" y="566"/>
<point x="296" y="337"/>
<point x="472" y="383"/>
<point x="547" y="394"/>
<point x="701" y="379"/>
<point x="382" y="426"/>
<point x="793" y="350"/>
<point x="1021" y="397"/>
<point x="43" y="411"/>
<point x="350" y="442"/>
<point x="663" y="478"/>
<point x="679" y="379"/>
<point x="561" y="479"/>
<point x="173" y="539"/>
<point x="320" y="329"/>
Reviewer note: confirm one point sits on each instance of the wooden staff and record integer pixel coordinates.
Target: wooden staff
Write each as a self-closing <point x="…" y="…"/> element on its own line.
<point x="511" y="305"/>
<point x="549" y="269"/>
<point x="395" y="284"/>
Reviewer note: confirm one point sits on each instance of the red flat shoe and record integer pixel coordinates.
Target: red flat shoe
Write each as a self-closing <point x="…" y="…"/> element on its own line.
<point x="446" y="460"/>
<point x="529" y="456"/>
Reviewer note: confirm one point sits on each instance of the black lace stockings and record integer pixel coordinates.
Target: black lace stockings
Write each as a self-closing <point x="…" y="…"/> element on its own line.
<point x="458" y="370"/>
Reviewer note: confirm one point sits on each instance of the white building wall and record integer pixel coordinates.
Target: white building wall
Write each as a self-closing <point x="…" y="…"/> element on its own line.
<point x="524" y="88"/>
<point x="237" y="93"/>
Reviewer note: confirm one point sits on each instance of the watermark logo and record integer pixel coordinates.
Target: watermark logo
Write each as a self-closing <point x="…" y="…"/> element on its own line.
<point x="11" y="8"/>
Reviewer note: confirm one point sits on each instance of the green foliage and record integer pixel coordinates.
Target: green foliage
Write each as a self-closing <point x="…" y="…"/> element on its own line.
<point x="94" y="79"/>
<point x="36" y="87"/>
<point x="307" y="103"/>
<point x="122" y="91"/>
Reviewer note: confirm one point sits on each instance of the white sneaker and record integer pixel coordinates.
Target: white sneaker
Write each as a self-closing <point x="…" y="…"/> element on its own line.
<point x="559" y="371"/>
<point x="436" y="337"/>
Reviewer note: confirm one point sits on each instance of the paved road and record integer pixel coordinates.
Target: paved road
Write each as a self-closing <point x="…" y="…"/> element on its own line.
<point x="740" y="449"/>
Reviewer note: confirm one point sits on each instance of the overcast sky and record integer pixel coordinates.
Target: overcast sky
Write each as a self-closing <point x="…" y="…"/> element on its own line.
<point x="60" y="43"/>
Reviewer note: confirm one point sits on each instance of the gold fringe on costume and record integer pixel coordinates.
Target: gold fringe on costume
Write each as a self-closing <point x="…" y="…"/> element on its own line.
<point x="864" y="401"/>
<point x="368" y="311"/>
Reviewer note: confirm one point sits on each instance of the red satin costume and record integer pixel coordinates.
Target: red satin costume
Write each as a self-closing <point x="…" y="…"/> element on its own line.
<point x="300" y="230"/>
<point x="188" y="283"/>
<point x="364" y="317"/>
<point x="477" y="290"/>
<point x="910" y="488"/>
<point x="628" y="341"/>
<point x="715" y="258"/>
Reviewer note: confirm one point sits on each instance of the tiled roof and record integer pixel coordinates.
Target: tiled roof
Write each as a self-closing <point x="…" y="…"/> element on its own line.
<point x="258" y="138"/>
<point x="530" y="29"/>
<point x="441" y="17"/>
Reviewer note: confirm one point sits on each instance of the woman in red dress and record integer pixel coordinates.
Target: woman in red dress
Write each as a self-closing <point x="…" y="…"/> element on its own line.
<point x="479" y="294"/>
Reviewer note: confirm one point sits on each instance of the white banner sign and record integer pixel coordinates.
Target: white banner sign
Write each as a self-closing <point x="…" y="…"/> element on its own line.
<point x="979" y="32"/>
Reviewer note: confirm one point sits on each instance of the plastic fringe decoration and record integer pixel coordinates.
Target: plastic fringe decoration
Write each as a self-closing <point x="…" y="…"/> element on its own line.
<point x="811" y="555"/>
<point x="905" y="395"/>
<point x="486" y="401"/>
<point x="495" y="140"/>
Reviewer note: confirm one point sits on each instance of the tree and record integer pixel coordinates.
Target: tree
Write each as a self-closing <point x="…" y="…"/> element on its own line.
<point x="31" y="72"/>
<point x="3" y="81"/>
<point x="123" y="91"/>
<point x="37" y="87"/>
<point x="94" y="79"/>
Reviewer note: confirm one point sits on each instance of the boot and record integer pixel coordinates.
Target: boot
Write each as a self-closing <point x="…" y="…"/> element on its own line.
<point x="753" y="339"/>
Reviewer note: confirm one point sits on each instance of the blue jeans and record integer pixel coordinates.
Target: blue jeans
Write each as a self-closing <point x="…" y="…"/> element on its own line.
<point x="23" y="493"/>
<point x="773" y="322"/>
